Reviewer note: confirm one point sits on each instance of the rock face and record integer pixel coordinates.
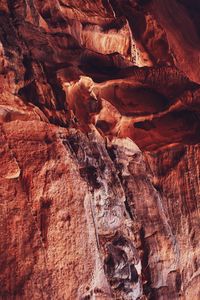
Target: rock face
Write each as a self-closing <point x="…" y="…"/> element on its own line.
<point x="99" y="135"/>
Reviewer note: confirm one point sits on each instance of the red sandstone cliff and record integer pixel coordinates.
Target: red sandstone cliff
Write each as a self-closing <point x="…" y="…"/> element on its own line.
<point x="99" y="177"/>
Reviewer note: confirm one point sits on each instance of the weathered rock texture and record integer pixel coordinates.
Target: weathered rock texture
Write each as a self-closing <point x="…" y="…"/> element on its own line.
<point x="99" y="136"/>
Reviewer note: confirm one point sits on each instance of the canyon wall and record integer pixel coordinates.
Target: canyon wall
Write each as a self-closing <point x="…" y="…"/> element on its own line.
<point x="100" y="148"/>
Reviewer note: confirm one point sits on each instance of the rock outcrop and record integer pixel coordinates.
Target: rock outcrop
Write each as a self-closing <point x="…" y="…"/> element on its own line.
<point x="100" y="148"/>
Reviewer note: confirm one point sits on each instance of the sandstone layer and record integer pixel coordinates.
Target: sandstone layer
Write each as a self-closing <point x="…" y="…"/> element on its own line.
<point x="100" y="148"/>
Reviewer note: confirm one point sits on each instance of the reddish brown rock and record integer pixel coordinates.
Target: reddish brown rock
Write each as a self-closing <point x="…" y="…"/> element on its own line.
<point x="99" y="135"/>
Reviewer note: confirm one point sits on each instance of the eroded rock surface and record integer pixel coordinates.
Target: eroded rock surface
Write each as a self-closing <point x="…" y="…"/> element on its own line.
<point x="99" y="135"/>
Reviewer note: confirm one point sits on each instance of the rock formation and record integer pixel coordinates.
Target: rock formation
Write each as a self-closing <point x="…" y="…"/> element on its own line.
<point x="100" y="148"/>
